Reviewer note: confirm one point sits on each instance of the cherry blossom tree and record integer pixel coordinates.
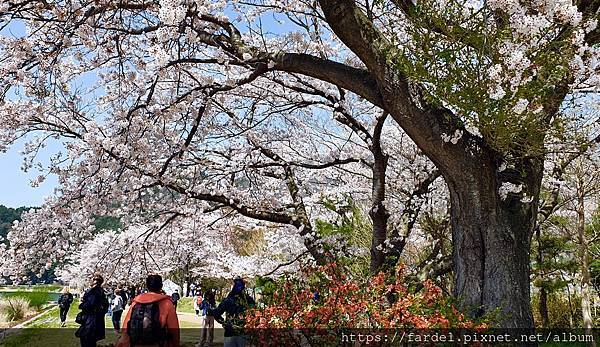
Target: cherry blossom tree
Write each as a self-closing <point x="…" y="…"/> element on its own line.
<point x="196" y="247"/>
<point x="166" y="102"/>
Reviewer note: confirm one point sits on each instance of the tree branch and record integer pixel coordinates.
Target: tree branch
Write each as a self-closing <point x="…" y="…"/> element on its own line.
<point x="358" y="81"/>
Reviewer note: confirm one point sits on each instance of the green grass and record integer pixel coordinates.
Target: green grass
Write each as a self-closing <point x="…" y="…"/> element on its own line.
<point x="37" y="298"/>
<point x="186" y="305"/>
<point x="34" y="301"/>
<point x="53" y="288"/>
<point x="45" y="331"/>
<point x="48" y="287"/>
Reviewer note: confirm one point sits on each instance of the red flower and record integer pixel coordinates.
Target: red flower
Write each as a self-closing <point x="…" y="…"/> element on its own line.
<point x="350" y="303"/>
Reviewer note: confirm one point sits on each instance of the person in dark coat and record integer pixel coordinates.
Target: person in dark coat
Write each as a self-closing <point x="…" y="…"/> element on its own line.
<point x="234" y="305"/>
<point x="94" y="306"/>
<point x="123" y="295"/>
<point x="132" y="294"/>
<point x="64" y="303"/>
<point x="175" y="297"/>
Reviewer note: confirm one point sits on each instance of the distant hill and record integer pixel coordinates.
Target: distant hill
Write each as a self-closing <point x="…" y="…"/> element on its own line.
<point x="8" y="215"/>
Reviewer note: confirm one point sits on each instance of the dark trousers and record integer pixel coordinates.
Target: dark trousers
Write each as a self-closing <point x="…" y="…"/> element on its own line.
<point x="208" y="331"/>
<point x="116" y="319"/>
<point x="87" y="342"/>
<point x="63" y="313"/>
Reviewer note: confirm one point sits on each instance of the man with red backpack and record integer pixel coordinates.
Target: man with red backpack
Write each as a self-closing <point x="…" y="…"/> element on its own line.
<point x="151" y="319"/>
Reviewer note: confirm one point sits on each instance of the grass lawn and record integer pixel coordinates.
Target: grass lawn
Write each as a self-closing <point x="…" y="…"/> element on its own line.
<point x="45" y="331"/>
<point x="186" y="305"/>
<point x="51" y="288"/>
<point x="37" y="296"/>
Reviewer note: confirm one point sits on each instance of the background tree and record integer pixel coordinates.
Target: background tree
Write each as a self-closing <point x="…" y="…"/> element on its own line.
<point x="586" y="186"/>
<point x="570" y="191"/>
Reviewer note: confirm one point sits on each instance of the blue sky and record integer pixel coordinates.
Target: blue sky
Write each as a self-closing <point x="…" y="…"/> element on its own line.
<point x="14" y="183"/>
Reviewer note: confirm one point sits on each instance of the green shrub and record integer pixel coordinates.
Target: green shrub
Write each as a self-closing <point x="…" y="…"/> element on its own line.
<point x="14" y="308"/>
<point x="37" y="298"/>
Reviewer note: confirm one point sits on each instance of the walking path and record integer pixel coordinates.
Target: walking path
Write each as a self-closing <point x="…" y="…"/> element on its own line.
<point x="192" y="318"/>
<point x="191" y="324"/>
<point x="7" y="331"/>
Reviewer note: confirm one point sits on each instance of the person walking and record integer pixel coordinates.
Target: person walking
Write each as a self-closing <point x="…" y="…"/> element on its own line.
<point x="117" y="307"/>
<point x="64" y="303"/>
<point x="93" y="306"/>
<point x="151" y="319"/>
<point x="207" y="306"/>
<point x="132" y="294"/>
<point x="234" y="305"/>
<point x="123" y="294"/>
<point x="175" y="297"/>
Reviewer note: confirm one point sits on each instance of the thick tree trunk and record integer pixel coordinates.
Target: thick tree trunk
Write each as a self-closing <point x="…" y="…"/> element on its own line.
<point x="492" y="237"/>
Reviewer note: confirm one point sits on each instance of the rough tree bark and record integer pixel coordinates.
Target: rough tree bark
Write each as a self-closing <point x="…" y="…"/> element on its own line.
<point x="491" y="238"/>
<point x="378" y="213"/>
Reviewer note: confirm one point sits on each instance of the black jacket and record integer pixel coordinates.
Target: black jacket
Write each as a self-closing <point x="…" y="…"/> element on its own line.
<point x="175" y="297"/>
<point x="124" y="297"/>
<point x="234" y="306"/>
<point x="94" y="306"/>
<point x="65" y="300"/>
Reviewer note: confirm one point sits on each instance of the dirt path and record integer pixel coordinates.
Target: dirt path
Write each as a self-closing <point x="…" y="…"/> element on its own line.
<point x="4" y="332"/>
<point x="192" y="318"/>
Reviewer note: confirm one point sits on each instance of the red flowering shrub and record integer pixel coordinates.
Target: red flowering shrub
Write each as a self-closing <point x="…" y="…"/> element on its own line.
<point x="381" y="302"/>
